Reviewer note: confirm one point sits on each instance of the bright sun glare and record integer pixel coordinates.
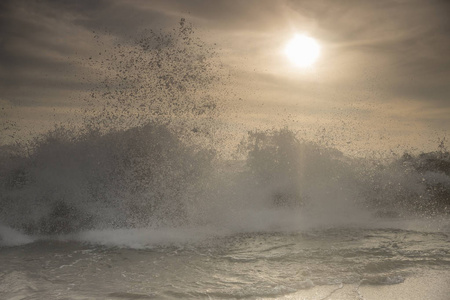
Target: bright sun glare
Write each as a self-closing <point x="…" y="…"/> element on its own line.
<point x="302" y="50"/>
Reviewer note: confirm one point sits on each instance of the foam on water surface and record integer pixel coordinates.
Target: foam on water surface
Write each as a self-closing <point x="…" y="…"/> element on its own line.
<point x="344" y="262"/>
<point x="11" y="237"/>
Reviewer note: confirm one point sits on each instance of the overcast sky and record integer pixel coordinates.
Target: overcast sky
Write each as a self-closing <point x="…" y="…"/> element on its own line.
<point x="383" y="73"/>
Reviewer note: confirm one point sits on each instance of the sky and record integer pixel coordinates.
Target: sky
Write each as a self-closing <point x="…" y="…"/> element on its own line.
<point x="382" y="80"/>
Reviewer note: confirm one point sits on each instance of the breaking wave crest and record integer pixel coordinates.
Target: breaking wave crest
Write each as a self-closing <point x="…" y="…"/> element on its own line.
<point x="147" y="163"/>
<point x="147" y="177"/>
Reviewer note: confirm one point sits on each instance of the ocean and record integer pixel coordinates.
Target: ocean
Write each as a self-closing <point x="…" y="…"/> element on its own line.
<point x="153" y="198"/>
<point x="137" y="214"/>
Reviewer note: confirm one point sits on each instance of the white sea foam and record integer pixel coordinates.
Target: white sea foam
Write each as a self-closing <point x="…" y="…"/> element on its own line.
<point x="10" y="237"/>
<point x="142" y="238"/>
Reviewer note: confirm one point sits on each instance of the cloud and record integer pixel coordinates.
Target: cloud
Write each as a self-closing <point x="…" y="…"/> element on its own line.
<point x="44" y="46"/>
<point x="37" y="51"/>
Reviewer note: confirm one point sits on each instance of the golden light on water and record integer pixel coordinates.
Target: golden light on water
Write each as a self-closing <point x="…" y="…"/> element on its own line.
<point x="302" y="50"/>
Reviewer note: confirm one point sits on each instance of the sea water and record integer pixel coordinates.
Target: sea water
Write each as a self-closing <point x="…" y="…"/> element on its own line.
<point x="147" y="200"/>
<point x="326" y="263"/>
<point x="81" y="220"/>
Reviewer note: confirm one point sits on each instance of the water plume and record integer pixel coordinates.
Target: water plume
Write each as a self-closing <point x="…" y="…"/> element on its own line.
<point x="146" y="158"/>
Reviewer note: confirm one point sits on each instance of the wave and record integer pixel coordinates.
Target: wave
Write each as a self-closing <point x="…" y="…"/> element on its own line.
<point x="136" y="177"/>
<point x="147" y="177"/>
<point x="147" y="158"/>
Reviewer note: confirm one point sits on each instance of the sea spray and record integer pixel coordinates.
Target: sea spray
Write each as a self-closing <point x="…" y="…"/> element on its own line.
<point x="410" y="185"/>
<point x="134" y="177"/>
<point x="170" y="77"/>
<point x="147" y="157"/>
<point x="148" y="177"/>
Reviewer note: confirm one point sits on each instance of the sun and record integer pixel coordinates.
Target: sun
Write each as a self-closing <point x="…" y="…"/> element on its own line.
<point x="302" y="50"/>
